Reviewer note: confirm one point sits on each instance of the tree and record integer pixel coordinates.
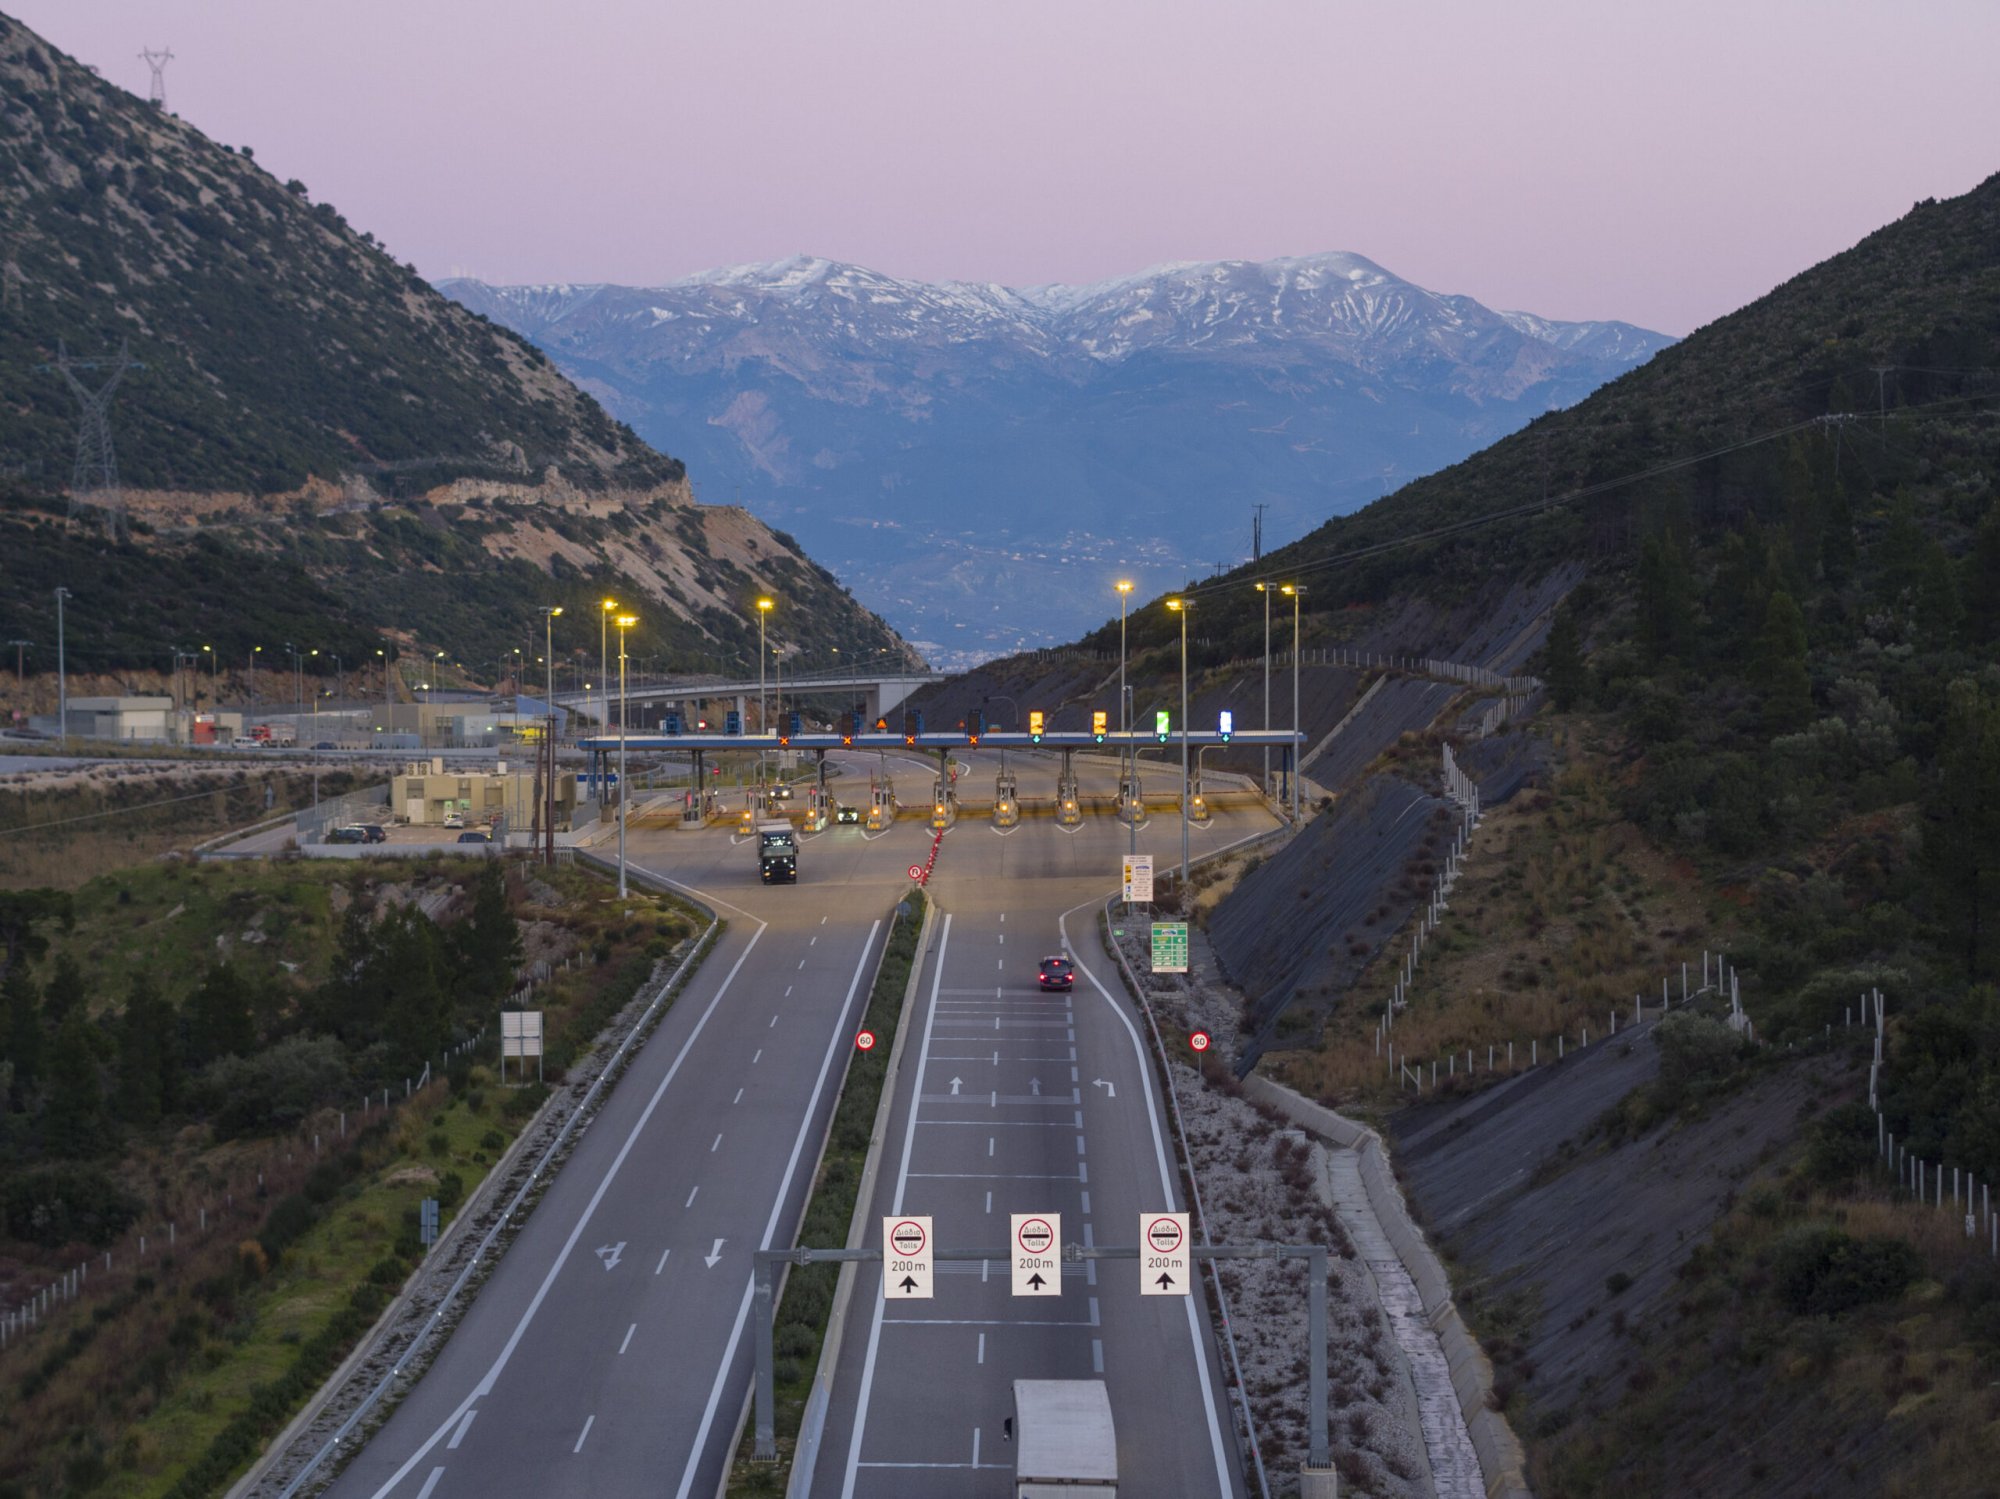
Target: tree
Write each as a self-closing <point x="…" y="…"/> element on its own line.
<point x="1666" y="602"/>
<point x="218" y="1017"/>
<point x="1562" y="659"/>
<point x="21" y="1015"/>
<point x="64" y="994"/>
<point x="1782" y="676"/>
<point x="416" y="1002"/>
<point x="148" y="1056"/>
<point x="487" y="943"/>
<point x="1802" y="513"/>
<point x="1962" y="830"/>
<point x="74" y="1124"/>
<point x="1982" y="581"/>
<point x="22" y="913"/>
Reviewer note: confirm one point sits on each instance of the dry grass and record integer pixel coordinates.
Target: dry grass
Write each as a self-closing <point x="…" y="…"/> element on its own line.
<point x="1563" y="912"/>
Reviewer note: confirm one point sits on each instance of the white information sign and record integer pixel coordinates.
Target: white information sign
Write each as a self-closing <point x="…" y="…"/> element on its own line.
<point x="520" y="1033"/>
<point x="906" y="1259"/>
<point x="1037" y="1254"/>
<point x="1139" y="878"/>
<point x="1165" y="1260"/>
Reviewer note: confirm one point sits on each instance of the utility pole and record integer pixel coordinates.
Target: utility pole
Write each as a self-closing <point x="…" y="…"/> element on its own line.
<point x="96" y="468"/>
<point x="20" y="657"/>
<point x="1257" y="533"/>
<point x="157" y="61"/>
<point x="62" y="674"/>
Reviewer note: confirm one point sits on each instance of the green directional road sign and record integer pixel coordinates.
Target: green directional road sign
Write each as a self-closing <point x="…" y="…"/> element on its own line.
<point x="1170" y="947"/>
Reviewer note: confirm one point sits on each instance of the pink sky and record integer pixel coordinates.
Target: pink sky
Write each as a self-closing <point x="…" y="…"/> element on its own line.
<point x="1661" y="163"/>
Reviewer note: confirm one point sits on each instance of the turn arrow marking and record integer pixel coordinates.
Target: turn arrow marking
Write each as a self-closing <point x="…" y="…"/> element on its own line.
<point x="1109" y="1091"/>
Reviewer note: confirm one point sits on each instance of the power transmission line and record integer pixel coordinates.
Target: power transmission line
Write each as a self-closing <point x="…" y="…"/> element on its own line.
<point x="158" y="61"/>
<point x="96" y="471"/>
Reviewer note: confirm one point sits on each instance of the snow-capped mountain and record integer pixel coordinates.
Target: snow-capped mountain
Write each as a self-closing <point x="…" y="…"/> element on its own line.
<point x="931" y="439"/>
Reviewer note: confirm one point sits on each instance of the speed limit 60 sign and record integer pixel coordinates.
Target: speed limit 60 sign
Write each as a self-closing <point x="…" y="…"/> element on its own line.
<point x="906" y="1259"/>
<point x="1163" y="1254"/>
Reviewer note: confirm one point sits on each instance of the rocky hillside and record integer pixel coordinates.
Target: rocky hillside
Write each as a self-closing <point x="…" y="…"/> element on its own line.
<point x="313" y="443"/>
<point x="955" y="448"/>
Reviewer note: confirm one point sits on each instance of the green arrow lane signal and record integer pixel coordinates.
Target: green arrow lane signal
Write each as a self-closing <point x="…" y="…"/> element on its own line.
<point x="1161" y="725"/>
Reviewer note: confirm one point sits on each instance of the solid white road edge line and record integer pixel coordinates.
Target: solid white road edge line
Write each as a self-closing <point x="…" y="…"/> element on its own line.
<point x="485" y="1385"/>
<point x="843" y="1024"/>
<point x="1225" y="1484"/>
<point x="902" y="1181"/>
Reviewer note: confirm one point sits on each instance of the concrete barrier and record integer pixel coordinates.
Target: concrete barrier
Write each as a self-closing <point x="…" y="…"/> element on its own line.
<point x="1501" y="1462"/>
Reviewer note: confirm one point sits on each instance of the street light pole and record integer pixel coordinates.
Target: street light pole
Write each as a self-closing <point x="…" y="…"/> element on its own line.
<point x="625" y="622"/>
<point x="764" y="607"/>
<point x="1265" y="589"/>
<point x="1297" y="591"/>
<point x="549" y="613"/>
<point x="1183" y="607"/>
<point x="1125" y="721"/>
<point x="62" y="673"/>
<point x="604" y="667"/>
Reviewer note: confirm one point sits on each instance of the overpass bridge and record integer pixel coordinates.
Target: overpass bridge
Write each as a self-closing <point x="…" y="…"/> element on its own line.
<point x="873" y="694"/>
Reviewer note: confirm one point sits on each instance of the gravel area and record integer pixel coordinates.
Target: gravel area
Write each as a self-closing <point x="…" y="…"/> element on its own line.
<point x="1262" y="1182"/>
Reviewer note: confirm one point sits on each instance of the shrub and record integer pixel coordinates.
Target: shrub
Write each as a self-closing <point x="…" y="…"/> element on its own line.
<point x="1841" y="1146"/>
<point x="61" y="1204"/>
<point x="1821" y="1271"/>
<point x="275" y="1089"/>
<point x="1694" y="1052"/>
<point x="289" y="1219"/>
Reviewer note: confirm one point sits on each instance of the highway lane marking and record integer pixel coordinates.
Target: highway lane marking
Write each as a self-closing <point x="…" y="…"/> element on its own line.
<point x="802" y="962"/>
<point x="982" y="1349"/>
<point x="953" y="1467"/>
<point x="1224" y="1484"/>
<point x="975" y="1430"/>
<point x="999" y="963"/>
<point x="430" y="1483"/>
<point x="1073" y="1076"/>
<point x="739" y="1096"/>
<point x="690" y="1202"/>
<point x="774" y="1019"/>
<point x="1079" y="1144"/>
<point x="1095" y="1319"/>
<point x="822" y="921"/>
<point x="716" y="1146"/>
<point x="983" y="1322"/>
<point x="459" y="1435"/>
<point x="989" y="1146"/>
<point x="663" y="1261"/>
<point x="842" y="1025"/>
<point x="1097" y="1355"/>
<point x="983" y="1176"/>
<point x="902" y="1185"/>
<point x="588" y="1422"/>
<point x="628" y="1337"/>
<point x="1083" y="1171"/>
<point x="1003" y="939"/>
<point x="989" y="1199"/>
<point x="758" y="1057"/>
<point x="1086" y="1204"/>
<point x="813" y="943"/>
<point x="485" y="1386"/>
<point x="788" y="991"/>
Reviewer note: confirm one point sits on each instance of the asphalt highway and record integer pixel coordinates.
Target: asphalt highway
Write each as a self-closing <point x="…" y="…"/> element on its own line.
<point x="609" y="1353"/>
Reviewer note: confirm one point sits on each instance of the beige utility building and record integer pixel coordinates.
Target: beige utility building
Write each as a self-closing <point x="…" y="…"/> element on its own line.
<point x="429" y="792"/>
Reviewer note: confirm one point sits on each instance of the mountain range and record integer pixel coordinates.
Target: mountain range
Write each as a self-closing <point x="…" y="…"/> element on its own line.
<point x="979" y="462"/>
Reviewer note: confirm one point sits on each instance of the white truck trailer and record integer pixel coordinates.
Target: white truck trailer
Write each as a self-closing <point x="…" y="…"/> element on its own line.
<point x="1064" y="1444"/>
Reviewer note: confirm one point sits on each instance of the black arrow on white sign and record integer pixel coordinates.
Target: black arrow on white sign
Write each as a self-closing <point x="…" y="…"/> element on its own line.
<point x="907" y="1284"/>
<point x="1165" y="1282"/>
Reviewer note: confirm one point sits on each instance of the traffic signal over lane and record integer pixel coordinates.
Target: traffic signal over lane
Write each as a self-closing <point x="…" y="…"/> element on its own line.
<point x="1100" y="723"/>
<point x="1161" y="721"/>
<point x="1035" y="725"/>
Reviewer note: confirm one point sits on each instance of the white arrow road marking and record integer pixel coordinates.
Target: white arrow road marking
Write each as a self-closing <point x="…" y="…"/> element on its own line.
<point x="956" y="1084"/>
<point x="714" y="1254"/>
<point x="609" y="1254"/>
<point x="1109" y="1091"/>
<point x="1035" y="1086"/>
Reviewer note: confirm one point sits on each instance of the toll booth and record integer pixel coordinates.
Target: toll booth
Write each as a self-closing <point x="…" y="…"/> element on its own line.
<point x="1197" y="804"/>
<point x="1006" y="801"/>
<point x="944" y="805"/>
<point x="746" y="820"/>
<point x="1069" y="804"/>
<point x="1131" y="799"/>
<point x="816" y="814"/>
<point x="881" y="804"/>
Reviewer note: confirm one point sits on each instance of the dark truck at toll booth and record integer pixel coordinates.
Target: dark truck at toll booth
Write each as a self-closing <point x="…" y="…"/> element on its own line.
<point x="777" y="853"/>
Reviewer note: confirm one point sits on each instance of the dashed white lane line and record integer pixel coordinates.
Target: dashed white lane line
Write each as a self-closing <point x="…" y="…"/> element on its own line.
<point x="1086" y="1204"/>
<point x="802" y="962"/>
<point x="989" y="1200"/>
<point x="813" y="943"/>
<point x="758" y="1057"/>
<point x="982" y="1348"/>
<point x="690" y="1202"/>
<point x="774" y="1019"/>
<point x="1097" y="1355"/>
<point x="430" y="1483"/>
<point x="459" y="1435"/>
<point x="588" y="1422"/>
<point x="788" y="991"/>
<point x="739" y="1096"/>
<point x="663" y="1261"/>
<point x="716" y="1146"/>
<point x="989" y="1145"/>
<point x="628" y="1337"/>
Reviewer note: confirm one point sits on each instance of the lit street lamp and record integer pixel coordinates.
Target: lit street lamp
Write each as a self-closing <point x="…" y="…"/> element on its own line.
<point x="603" y="665"/>
<point x="1267" y="590"/>
<point x="1295" y="592"/>
<point x="1183" y="607"/>
<point x="1127" y="756"/>
<point x="625" y="622"/>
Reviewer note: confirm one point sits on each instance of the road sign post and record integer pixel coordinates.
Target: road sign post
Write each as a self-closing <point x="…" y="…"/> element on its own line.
<point x="1170" y="947"/>
<point x="1036" y="1257"/>
<point x="1164" y="1261"/>
<point x="1138" y="879"/>
<point x="906" y="1259"/>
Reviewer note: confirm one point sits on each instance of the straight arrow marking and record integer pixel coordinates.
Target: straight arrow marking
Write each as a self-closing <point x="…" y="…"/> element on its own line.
<point x="713" y="1255"/>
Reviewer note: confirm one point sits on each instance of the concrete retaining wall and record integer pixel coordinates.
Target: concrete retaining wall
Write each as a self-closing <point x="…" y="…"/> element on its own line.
<point x="1501" y="1461"/>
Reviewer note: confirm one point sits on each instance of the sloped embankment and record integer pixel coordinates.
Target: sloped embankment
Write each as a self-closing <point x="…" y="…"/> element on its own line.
<point x="1567" y="1239"/>
<point x="1301" y="926"/>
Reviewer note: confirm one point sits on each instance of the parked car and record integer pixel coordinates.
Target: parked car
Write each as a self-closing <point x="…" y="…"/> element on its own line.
<point x="346" y="835"/>
<point x="454" y="819"/>
<point x="475" y="835"/>
<point x="374" y="832"/>
<point x="325" y="744"/>
<point x="1057" y="973"/>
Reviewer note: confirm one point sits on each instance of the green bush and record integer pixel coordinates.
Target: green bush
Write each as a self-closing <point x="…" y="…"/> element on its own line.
<point x="1841" y="1146"/>
<point x="1820" y="1271"/>
<point x="289" y="1219"/>
<point x="63" y="1204"/>
<point x="1695" y="1052"/>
